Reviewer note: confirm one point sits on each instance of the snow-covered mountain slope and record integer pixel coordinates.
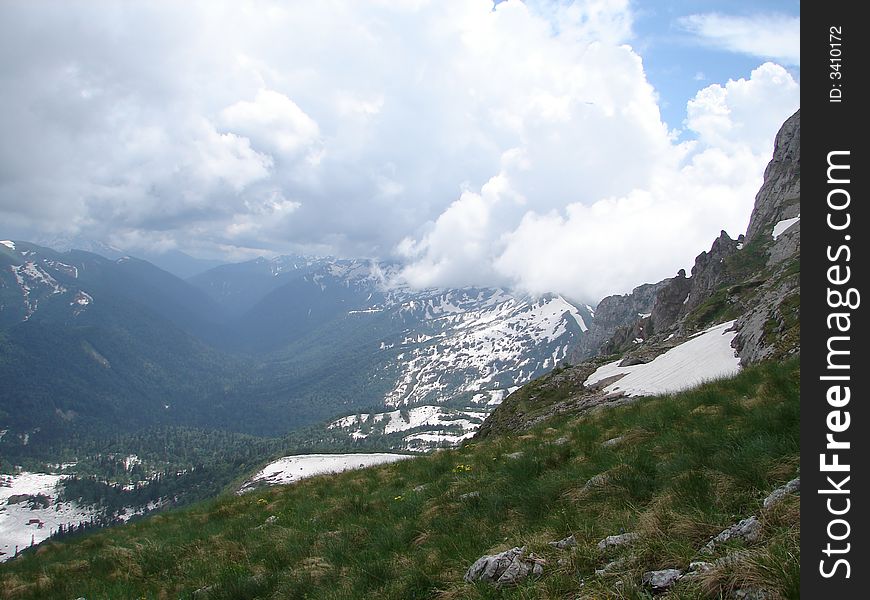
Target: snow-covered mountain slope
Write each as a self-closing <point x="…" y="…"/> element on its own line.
<point x="30" y="511"/>
<point x="459" y="353"/>
<point x="477" y="344"/>
<point x="30" y="279"/>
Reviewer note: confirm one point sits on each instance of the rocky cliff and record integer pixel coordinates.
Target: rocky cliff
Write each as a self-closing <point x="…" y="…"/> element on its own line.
<point x="616" y="313"/>
<point x="754" y="278"/>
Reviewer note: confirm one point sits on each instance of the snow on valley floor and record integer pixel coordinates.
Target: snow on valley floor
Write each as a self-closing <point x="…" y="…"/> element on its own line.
<point x="435" y="425"/>
<point x="706" y="356"/>
<point x="293" y="468"/>
<point x="23" y="519"/>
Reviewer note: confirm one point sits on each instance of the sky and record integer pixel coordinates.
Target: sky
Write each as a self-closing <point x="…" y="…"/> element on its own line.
<point x="577" y="147"/>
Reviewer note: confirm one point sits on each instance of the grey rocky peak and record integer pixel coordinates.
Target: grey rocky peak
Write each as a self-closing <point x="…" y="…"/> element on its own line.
<point x="779" y="196"/>
<point x="506" y="568"/>
<point x="671" y="301"/>
<point x="682" y="295"/>
<point x="709" y="271"/>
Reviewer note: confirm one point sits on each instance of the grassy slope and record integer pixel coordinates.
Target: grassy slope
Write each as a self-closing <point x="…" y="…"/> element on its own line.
<point x="688" y="466"/>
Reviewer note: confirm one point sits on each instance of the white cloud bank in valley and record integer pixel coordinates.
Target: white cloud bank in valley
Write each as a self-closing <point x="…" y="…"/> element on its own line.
<point x="518" y="145"/>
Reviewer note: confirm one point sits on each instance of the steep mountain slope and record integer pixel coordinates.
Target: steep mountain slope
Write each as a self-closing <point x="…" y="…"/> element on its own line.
<point x="88" y="343"/>
<point x="238" y="287"/>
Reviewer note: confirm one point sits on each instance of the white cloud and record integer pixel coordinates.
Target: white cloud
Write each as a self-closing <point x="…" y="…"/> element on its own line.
<point x="274" y="121"/>
<point x="771" y="36"/>
<point x="609" y="245"/>
<point x="730" y="116"/>
<point x="450" y="133"/>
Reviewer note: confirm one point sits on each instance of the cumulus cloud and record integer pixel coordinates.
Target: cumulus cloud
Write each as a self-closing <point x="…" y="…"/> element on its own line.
<point x="518" y="144"/>
<point x="273" y="119"/>
<point x="654" y="226"/>
<point x="772" y="36"/>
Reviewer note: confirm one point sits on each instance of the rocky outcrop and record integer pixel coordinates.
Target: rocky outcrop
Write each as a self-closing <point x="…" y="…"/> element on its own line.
<point x="612" y="314"/>
<point x="782" y="492"/>
<point x="683" y="295"/>
<point x="710" y="271"/>
<point x="613" y="541"/>
<point x="505" y="568"/>
<point x="660" y="581"/>
<point x="564" y="544"/>
<point x="671" y="301"/>
<point x="747" y="530"/>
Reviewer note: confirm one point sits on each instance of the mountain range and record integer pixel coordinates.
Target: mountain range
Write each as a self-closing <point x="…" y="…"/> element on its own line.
<point x="91" y="343"/>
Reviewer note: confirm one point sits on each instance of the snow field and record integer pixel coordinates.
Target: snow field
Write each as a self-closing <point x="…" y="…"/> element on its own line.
<point x="706" y="356"/>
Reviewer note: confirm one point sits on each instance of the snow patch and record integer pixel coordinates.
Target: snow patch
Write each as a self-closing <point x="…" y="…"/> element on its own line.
<point x="784" y="225"/>
<point x="425" y="441"/>
<point x="706" y="356"/>
<point x="365" y="311"/>
<point x="30" y="278"/>
<point x="293" y="468"/>
<point x="477" y="342"/>
<point x="26" y="520"/>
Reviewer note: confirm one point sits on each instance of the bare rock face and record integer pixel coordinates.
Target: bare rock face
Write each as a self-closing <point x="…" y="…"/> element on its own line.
<point x="506" y="568"/>
<point x="779" y="196"/>
<point x="671" y="301"/>
<point x="613" y="313"/>
<point x="709" y="272"/>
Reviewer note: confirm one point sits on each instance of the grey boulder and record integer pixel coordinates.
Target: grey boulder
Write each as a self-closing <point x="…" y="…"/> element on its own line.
<point x="505" y="568"/>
